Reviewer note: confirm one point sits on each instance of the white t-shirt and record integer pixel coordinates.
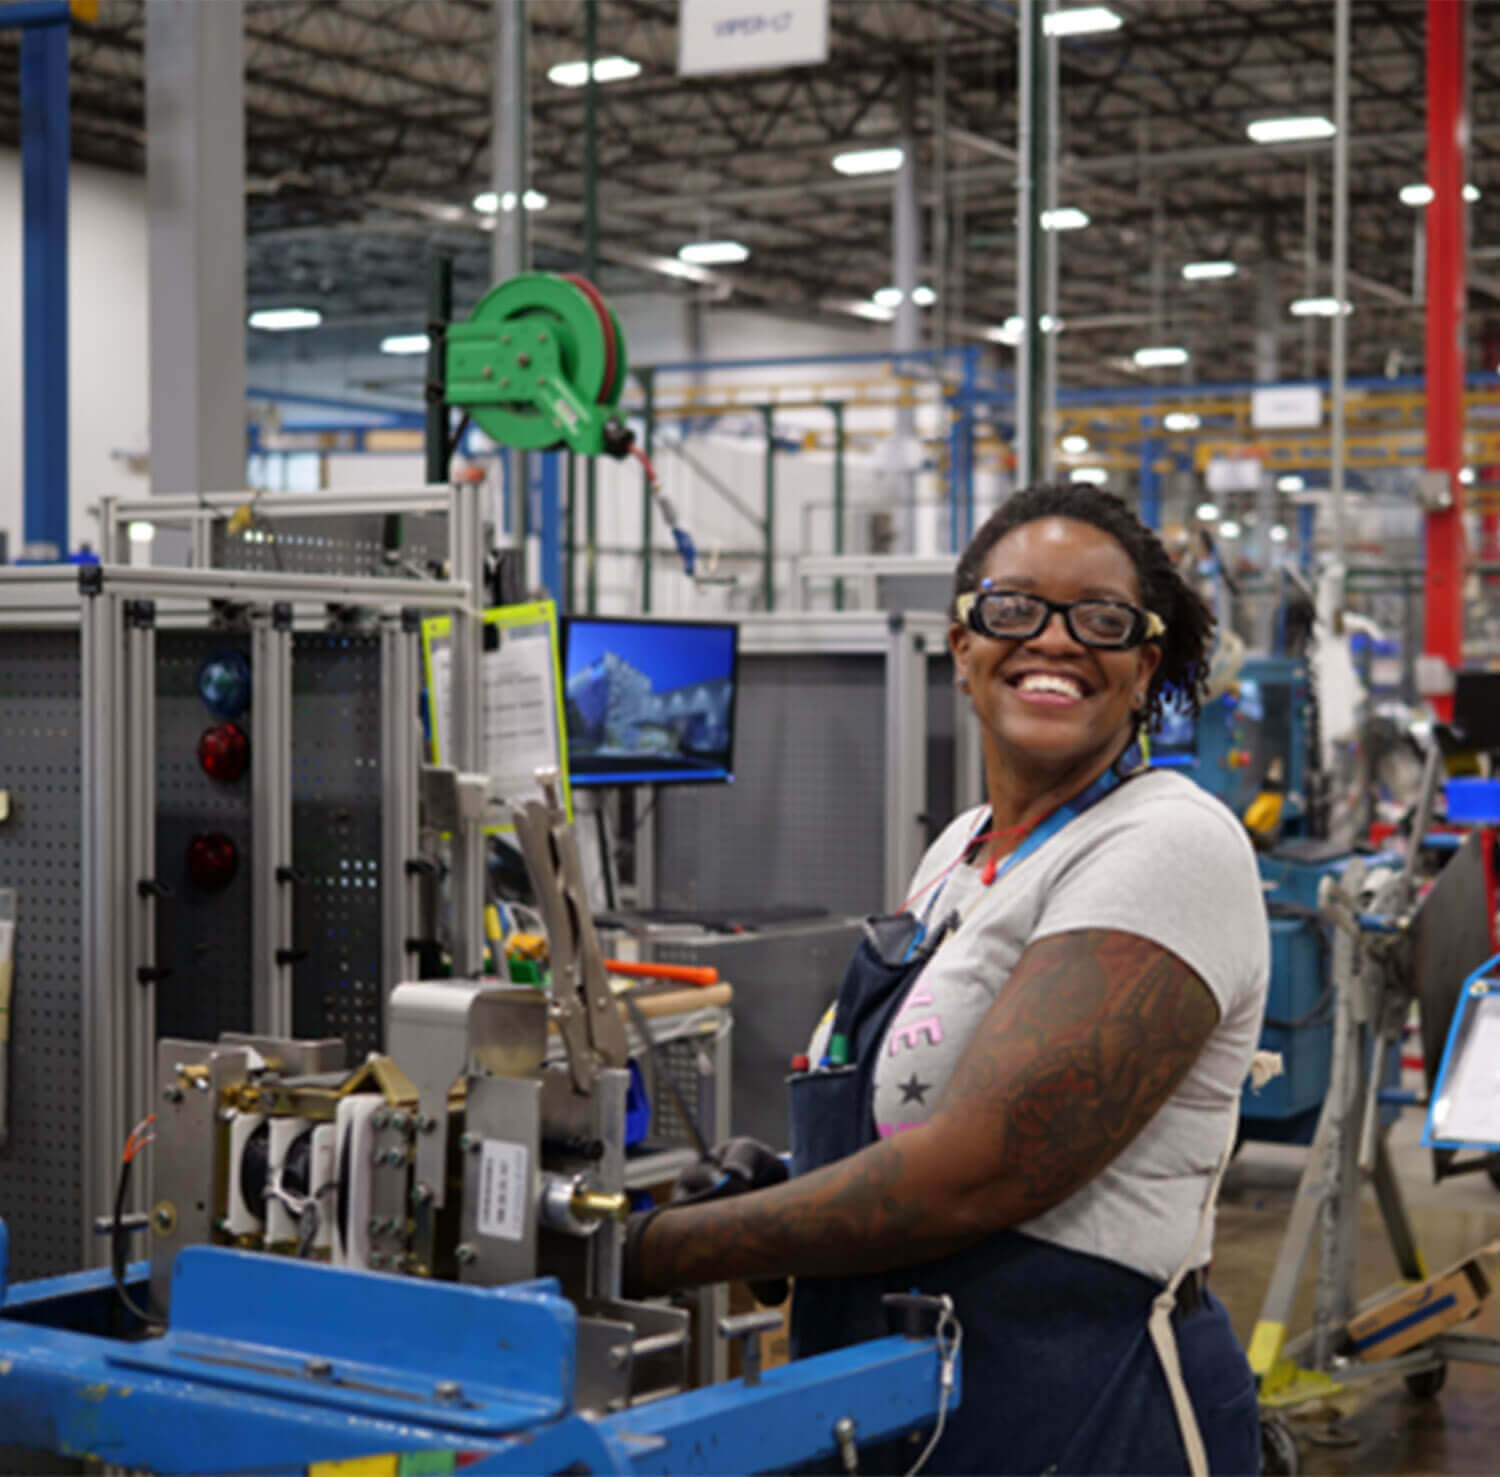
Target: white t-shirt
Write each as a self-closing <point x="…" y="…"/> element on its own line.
<point x="1159" y="858"/>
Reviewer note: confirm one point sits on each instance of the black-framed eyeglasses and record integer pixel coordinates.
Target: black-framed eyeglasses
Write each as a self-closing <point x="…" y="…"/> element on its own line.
<point x="1018" y="615"/>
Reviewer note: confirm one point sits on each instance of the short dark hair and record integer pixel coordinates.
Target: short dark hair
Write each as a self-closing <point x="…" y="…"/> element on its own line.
<point x="1188" y="619"/>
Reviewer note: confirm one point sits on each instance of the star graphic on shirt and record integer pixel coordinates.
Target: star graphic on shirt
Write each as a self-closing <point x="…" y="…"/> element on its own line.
<point x="913" y="1091"/>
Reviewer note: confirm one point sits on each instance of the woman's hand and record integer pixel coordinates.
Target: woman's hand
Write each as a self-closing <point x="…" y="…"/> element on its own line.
<point x="1092" y="1033"/>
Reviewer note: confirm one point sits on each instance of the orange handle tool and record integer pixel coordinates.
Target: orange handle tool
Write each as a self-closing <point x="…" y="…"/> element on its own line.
<point x="685" y="974"/>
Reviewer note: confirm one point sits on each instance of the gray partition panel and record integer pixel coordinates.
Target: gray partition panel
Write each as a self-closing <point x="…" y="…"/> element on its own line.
<point x="342" y="544"/>
<point x="336" y="839"/>
<point x="942" y="758"/>
<point x="784" y="979"/>
<point x="804" y="821"/>
<point x="203" y="938"/>
<point x="41" y="857"/>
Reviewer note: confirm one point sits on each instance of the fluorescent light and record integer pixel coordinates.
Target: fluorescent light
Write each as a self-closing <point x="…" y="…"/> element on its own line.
<point x="1087" y="20"/>
<point x="1066" y="218"/>
<point x="887" y="297"/>
<point x="1014" y="330"/>
<point x="140" y="532"/>
<point x="486" y="202"/>
<point x="872" y="311"/>
<point x="606" y="69"/>
<point x="1094" y="476"/>
<point x="1290" y="130"/>
<point x="279" y="320"/>
<point x="1278" y="533"/>
<point x="1162" y="356"/>
<point x="1421" y="194"/>
<point x="669" y="266"/>
<point x="924" y="296"/>
<point x="1319" y="307"/>
<point x="1207" y="512"/>
<point x="1207" y="271"/>
<point x="1466" y="476"/>
<point x="1229" y="529"/>
<point x="869" y="161"/>
<point x="1181" y="420"/>
<point x="404" y="343"/>
<point x="1291" y="482"/>
<point x="713" y="253"/>
<point x="1075" y="445"/>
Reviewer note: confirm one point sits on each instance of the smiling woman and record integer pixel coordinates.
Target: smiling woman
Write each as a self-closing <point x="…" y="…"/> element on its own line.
<point x="1031" y="1076"/>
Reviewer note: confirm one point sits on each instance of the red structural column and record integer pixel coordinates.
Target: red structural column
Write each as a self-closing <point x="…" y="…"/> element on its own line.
<point x="1447" y="139"/>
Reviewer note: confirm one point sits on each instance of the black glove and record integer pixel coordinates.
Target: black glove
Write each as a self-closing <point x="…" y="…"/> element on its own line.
<point x="736" y="1166"/>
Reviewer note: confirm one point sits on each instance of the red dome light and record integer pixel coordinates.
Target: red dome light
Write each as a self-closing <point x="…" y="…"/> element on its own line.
<point x="212" y="861"/>
<point x="223" y="751"/>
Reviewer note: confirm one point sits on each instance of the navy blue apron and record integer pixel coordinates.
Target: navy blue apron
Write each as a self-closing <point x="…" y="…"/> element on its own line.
<point x="1059" y="1373"/>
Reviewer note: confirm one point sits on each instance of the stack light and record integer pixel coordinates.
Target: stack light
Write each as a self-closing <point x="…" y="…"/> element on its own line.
<point x="212" y="861"/>
<point x="224" y="752"/>
<point x="224" y="684"/>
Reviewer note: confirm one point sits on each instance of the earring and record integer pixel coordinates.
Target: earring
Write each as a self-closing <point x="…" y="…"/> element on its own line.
<point x="961" y="682"/>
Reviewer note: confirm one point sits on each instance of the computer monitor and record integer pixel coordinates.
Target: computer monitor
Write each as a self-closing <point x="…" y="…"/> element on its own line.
<point x="649" y="702"/>
<point x="1175" y="742"/>
<point x="1476" y="709"/>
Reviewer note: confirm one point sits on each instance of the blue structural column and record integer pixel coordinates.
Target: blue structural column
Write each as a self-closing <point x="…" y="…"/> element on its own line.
<point x="1151" y="451"/>
<point x="44" y="174"/>
<point x="1306" y="520"/>
<point x="546" y="486"/>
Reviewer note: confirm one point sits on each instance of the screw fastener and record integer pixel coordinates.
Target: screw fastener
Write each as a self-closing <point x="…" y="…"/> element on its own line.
<point x="172" y="1094"/>
<point x="465" y="1253"/>
<point x="319" y="1369"/>
<point x="449" y="1391"/>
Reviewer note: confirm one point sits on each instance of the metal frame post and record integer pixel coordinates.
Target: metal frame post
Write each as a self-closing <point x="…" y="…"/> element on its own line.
<point x="905" y="755"/>
<point x="837" y="408"/>
<point x="768" y="576"/>
<point x="591" y="269"/>
<point x="1029" y="245"/>
<point x="45" y="130"/>
<point x="140" y="872"/>
<point x="1447" y="130"/>
<point x="1151" y="449"/>
<point x="546" y="471"/>
<point x="271" y="821"/>
<point x="647" y="378"/>
<point x="400" y="764"/>
<point x="1339" y="369"/>
<point x="102" y="1088"/>
<point x="439" y="311"/>
<point x="466" y="535"/>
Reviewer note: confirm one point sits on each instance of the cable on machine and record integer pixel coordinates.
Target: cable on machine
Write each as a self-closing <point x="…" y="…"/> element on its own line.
<point x="137" y="1140"/>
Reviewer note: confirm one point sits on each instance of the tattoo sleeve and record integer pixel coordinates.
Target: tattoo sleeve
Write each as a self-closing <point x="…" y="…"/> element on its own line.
<point x="1092" y="1033"/>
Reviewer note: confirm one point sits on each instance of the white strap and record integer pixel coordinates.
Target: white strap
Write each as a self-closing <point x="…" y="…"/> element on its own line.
<point x="1160" y="1322"/>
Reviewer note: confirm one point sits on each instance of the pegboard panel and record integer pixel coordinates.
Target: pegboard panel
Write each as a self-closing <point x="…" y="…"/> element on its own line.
<point x="342" y="544"/>
<point x="41" y="857"/>
<point x="336" y="835"/>
<point x="683" y="1060"/>
<point x="804" y="821"/>
<point x="204" y="938"/>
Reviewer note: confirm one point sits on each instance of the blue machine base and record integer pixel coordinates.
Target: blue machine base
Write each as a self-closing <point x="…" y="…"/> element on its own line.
<point x="272" y="1365"/>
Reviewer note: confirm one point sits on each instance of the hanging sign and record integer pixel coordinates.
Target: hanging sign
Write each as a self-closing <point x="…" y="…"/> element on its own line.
<point x="749" y="35"/>
<point x="1286" y="407"/>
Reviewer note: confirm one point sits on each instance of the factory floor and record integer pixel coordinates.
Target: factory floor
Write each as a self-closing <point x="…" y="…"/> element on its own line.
<point x="1382" y="1429"/>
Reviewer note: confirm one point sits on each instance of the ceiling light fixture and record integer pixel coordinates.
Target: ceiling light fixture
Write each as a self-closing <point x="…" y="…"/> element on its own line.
<point x="1075" y="445"/>
<point x="887" y="297"/>
<point x="1278" y="533"/>
<point x="1161" y="356"/>
<point x="486" y="202"/>
<point x="1290" y="130"/>
<point x="1086" y="20"/>
<point x="1421" y="194"/>
<point x="1466" y="476"/>
<point x="873" y="311"/>
<point x="140" y="532"/>
<point x="1094" y="476"/>
<point x="282" y="320"/>
<point x="1181" y="420"/>
<point x="713" y="253"/>
<point x="1291" y="482"/>
<point x="606" y="69"/>
<point x="405" y="343"/>
<point x="1229" y="529"/>
<point x="869" y="161"/>
<point x="1319" y="307"/>
<point x="1208" y="271"/>
<point x="1207" y="512"/>
<point x="1065" y="218"/>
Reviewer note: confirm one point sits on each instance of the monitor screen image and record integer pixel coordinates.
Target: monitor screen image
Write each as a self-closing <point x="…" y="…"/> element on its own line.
<point x="649" y="702"/>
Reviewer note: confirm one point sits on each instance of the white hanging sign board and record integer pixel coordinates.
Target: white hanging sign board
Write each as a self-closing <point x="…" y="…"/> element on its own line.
<point x="1286" y="407"/>
<point x="749" y="35"/>
<point x="1232" y="474"/>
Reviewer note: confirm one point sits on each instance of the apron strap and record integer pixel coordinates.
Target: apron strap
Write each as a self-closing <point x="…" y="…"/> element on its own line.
<point x="1263" y="1067"/>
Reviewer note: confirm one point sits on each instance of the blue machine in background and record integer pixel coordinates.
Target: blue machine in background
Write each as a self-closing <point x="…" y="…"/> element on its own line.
<point x="274" y="1365"/>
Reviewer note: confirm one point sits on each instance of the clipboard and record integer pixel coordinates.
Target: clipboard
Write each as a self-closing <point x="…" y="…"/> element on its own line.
<point x="1465" y="1109"/>
<point x="522" y="718"/>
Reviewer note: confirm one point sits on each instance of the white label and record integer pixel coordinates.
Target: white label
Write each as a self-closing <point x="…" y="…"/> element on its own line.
<point x="746" y="35"/>
<point x="503" y="1182"/>
<point x="1286" y="407"/>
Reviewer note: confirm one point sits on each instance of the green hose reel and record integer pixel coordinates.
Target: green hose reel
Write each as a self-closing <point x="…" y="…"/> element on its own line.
<point x="540" y="365"/>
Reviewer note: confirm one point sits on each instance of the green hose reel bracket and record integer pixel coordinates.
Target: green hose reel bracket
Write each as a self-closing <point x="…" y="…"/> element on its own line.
<point x="540" y="365"/>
